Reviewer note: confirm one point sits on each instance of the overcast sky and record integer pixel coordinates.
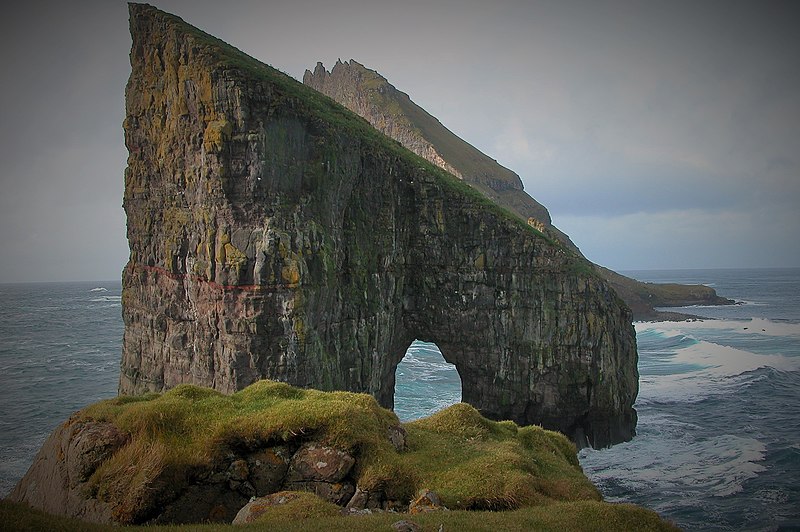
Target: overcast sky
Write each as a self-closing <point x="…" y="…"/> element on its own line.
<point x="660" y="134"/>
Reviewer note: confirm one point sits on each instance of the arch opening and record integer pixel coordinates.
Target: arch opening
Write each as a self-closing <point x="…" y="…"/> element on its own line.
<point x="424" y="382"/>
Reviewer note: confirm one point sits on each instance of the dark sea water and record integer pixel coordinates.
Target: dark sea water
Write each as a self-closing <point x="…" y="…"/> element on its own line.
<point x="60" y="348"/>
<point x="718" y="440"/>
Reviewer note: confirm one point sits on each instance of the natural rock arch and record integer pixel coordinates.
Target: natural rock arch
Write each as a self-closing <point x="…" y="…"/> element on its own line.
<point x="274" y="234"/>
<point x="425" y="382"/>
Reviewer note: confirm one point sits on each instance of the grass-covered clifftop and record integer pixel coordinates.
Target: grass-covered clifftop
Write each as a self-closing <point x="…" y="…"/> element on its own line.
<point x="470" y="461"/>
<point x="189" y="433"/>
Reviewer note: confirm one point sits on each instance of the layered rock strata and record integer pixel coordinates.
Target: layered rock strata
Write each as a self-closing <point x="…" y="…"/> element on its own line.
<point x="391" y="111"/>
<point x="274" y="234"/>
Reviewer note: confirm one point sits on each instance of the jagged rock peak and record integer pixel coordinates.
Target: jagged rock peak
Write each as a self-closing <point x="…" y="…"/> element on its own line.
<point x="319" y="70"/>
<point x="274" y="234"/>
<point x="350" y="69"/>
<point x="391" y="111"/>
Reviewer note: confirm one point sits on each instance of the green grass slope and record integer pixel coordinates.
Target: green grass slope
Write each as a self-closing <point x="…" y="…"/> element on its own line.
<point x="300" y="516"/>
<point x="474" y="464"/>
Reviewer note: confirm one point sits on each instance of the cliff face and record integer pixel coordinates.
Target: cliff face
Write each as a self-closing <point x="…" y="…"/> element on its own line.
<point x="392" y="112"/>
<point x="274" y="234"/>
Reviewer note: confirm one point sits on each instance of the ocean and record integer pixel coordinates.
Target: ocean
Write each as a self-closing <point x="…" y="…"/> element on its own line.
<point x="718" y="439"/>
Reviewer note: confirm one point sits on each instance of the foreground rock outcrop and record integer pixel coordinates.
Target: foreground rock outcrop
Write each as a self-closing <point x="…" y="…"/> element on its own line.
<point x="392" y="112"/>
<point x="275" y="234"/>
<point x="271" y="453"/>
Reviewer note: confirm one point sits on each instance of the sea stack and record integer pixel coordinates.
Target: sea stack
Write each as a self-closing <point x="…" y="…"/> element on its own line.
<point x="392" y="112"/>
<point x="275" y="234"/>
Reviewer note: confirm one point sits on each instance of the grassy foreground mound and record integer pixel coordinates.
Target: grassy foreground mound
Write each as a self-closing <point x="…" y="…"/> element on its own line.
<point x="575" y="516"/>
<point x="472" y="463"/>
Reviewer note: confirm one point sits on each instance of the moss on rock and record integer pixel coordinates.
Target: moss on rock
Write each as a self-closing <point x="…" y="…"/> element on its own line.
<point x="471" y="463"/>
<point x="183" y="441"/>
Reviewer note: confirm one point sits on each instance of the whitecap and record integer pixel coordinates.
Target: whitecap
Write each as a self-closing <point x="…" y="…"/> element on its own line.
<point x="664" y="333"/>
<point x="759" y="326"/>
<point x="423" y="370"/>
<point x="752" y="303"/>
<point x="706" y="369"/>
<point x="726" y="361"/>
<point x="99" y="289"/>
<point x="665" y="458"/>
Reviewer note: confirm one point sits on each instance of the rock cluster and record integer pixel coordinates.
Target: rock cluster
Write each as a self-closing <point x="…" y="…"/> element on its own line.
<point x="255" y="479"/>
<point x="274" y="234"/>
<point x="58" y="480"/>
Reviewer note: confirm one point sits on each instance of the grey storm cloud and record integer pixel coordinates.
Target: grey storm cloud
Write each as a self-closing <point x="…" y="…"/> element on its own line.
<point x="659" y="134"/>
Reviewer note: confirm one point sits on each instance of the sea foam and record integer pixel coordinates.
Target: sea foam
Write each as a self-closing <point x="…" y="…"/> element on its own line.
<point x="758" y="326"/>
<point x="718" y="466"/>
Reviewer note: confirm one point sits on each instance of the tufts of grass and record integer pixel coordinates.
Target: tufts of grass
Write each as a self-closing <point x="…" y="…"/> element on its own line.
<point x="188" y="430"/>
<point x="471" y="462"/>
<point x="306" y="513"/>
<point x="590" y="516"/>
<point x="19" y="517"/>
<point x="299" y="506"/>
<point x="474" y="463"/>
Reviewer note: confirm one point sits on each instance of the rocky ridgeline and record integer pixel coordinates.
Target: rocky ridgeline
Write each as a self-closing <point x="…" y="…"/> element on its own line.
<point x="390" y="111"/>
<point x="274" y="234"/>
<point x="371" y="96"/>
<point x="373" y="100"/>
